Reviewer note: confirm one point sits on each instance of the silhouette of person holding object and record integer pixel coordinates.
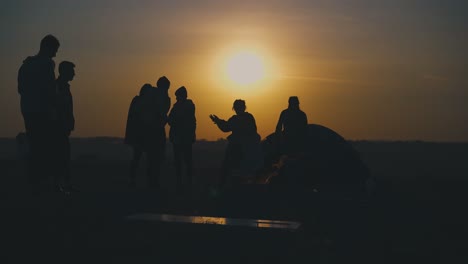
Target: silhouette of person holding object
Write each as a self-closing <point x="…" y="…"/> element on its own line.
<point x="66" y="124"/>
<point x="37" y="88"/>
<point x="291" y="129"/>
<point x="145" y="132"/>
<point x="183" y="123"/>
<point x="243" y="143"/>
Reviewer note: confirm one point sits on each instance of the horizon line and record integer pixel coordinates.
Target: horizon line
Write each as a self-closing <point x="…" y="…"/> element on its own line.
<point x="224" y="139"/>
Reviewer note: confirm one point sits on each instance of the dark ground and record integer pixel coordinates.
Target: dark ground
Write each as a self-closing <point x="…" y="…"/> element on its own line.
<point x="417" y="216"/>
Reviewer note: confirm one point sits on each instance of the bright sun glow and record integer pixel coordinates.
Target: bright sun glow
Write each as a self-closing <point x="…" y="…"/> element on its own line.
<point x="245" y="68"/>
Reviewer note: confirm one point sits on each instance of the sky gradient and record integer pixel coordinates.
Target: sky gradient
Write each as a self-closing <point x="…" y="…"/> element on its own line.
<point x="376" y="70"/>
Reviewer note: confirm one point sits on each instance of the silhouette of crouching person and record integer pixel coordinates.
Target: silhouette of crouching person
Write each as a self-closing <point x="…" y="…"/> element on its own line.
<point x="243" y="143"/>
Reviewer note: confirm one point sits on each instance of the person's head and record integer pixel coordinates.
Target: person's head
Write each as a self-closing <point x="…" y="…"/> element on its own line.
<point x="163" y="83"/>
<point x="146" y="88"/>
<point x="49" y="46"/>
<point x="181" y="93"/>
<point x="293" y="102"/>
<point x="239" y="106"/>
<point x="67" y="70"/>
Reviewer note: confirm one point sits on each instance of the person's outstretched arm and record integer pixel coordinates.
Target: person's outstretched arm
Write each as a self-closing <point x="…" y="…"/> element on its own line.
<point x="223" y="125"/>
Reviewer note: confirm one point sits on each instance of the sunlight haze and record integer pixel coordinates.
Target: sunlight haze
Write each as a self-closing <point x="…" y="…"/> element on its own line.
<point x="377" y="70"/>
<point x="245" y="68"/>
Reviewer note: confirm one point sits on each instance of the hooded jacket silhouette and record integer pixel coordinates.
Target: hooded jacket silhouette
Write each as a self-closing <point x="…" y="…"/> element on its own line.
<point x="36" y="85"/>
<point x="183" y="122"/>
<point x="145" y="120"/>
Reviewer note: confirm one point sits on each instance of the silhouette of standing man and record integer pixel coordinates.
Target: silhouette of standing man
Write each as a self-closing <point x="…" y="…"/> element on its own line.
<point x="182" y="134"/>
<point x="291" y="129"/>
<point x="66" y="124"/>
<point x="162" y="103"/>
<point x="36" y="86"/>
<point x="136" y="133"/>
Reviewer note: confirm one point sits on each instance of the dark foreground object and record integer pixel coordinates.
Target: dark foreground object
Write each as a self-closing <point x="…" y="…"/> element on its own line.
<point x="109" y="227"/>
<point x="319" y="193"/>
<point x="416" y="215"/>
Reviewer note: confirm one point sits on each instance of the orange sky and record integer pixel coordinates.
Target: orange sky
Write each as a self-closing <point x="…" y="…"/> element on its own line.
<point x="393" y="71"/>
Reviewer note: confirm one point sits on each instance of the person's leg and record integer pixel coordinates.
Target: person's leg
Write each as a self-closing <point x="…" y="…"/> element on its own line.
<point x="178" y="151"/>
<point x="67" y="161"/>
<point x="33" y="164"/>
<point x="154" y="169"/>
<point x="38" y="138"/>
<point x="187" y="152"/>
<point x="227" y="166"/>
<point x="54" y="153"/>
<point x="137" y="153"/>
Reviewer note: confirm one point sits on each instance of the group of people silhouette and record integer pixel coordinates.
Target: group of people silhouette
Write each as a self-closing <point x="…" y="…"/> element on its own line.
<point x="47" y="109"/>
<point x="145" y="131"/>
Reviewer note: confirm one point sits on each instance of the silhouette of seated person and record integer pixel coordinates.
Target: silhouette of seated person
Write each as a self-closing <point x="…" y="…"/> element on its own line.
<point x="291" y="129"/>
<point x="36" y="86"/>
<point x="243" y="142"/>
<point x="182" y="121"/>
<point x="66" y="124"/>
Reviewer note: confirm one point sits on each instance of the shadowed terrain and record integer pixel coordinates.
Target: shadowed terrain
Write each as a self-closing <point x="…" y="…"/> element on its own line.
<point x="417" y="214"/>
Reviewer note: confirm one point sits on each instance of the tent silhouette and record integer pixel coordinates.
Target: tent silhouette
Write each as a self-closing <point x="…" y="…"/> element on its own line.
<point x="328" y="169"/>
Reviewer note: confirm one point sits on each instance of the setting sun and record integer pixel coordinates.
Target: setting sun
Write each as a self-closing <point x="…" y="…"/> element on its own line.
<point x="245" y="68"/>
